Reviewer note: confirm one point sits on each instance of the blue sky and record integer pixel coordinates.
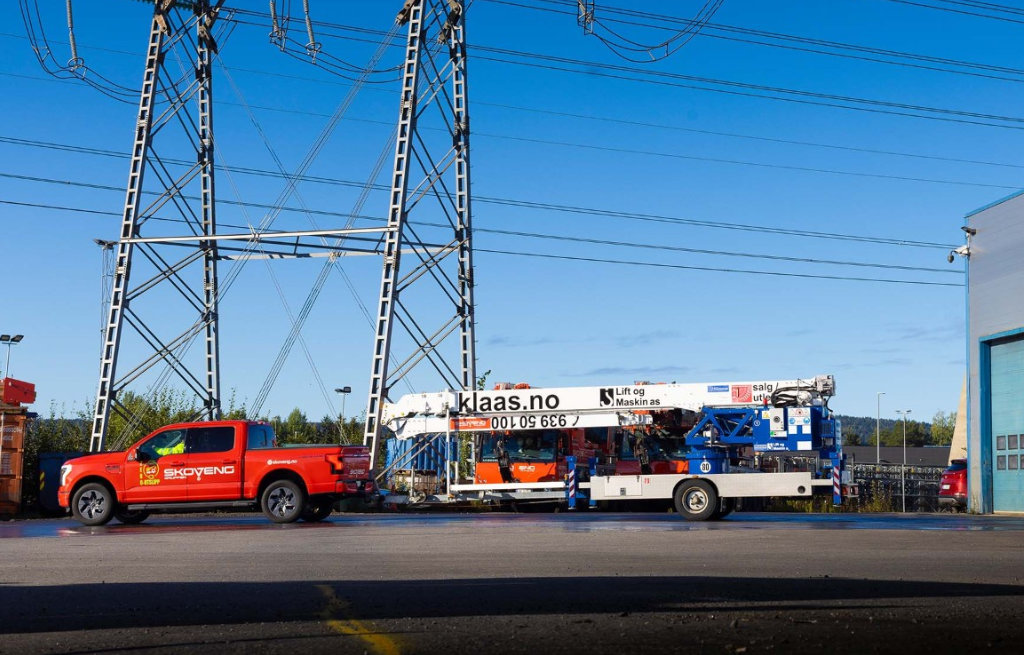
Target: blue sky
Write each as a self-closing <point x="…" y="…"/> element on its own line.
<point x="580" y="139"/>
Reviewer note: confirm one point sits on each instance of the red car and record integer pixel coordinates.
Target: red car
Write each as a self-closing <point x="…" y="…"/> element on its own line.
<point x="953" y="486"/>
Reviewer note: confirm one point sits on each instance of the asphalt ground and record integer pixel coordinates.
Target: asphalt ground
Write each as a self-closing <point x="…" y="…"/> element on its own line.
<point x="516" y="583"/>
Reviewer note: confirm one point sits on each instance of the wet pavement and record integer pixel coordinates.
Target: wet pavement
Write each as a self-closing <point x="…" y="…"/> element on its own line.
<point x="570" y="522"/>
<point x="515" y="583"/>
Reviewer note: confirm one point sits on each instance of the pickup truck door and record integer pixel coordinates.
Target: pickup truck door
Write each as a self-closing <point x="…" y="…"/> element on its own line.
<point x="214" y="463"/>
<point x="150" y="469"/>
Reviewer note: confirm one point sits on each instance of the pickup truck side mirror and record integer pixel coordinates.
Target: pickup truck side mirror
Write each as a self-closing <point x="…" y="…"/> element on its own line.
<point x="143" y="457"/>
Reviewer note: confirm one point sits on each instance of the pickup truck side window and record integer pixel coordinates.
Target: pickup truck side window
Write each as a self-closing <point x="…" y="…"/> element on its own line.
<point x="170" y="442"/>
<point x="211" y="440"/>
<point x="261" y="436"/>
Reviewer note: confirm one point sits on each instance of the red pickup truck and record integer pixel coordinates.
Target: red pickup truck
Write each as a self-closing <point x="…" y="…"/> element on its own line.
<point x="194" y="466"/>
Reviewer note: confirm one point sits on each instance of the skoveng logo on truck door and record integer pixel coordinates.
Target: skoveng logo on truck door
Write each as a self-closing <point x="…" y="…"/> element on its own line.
<point x="197" y="472"/>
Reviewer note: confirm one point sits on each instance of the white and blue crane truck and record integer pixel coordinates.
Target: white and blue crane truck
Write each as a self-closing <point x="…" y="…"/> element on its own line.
<point x="727" y="432"/>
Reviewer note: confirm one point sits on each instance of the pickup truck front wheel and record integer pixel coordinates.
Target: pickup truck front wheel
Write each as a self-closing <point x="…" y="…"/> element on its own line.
<point x="283" y="501"/>
<point x="93" y="504"/>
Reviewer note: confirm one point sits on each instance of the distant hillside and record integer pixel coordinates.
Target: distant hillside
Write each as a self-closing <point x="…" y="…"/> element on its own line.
<point x="861" y="429"/>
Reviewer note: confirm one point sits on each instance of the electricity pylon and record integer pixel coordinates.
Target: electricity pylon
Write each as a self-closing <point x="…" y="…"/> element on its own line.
<point x="169" y="238"/>
<point x="430" y="195"/>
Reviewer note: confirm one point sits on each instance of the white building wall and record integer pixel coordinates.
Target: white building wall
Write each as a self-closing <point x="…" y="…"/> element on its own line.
<point x="995" y="305"/>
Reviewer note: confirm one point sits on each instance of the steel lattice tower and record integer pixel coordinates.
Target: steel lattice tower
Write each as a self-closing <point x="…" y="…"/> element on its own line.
<point x="164" y="107"/>
<point x="430" y="185"/>
<point x="169" y="238"/>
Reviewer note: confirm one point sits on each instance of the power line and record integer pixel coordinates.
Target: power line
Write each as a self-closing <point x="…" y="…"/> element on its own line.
<point x="533" y="235"/>
<point x="964" y="12"/>
<point x="601" y="260"/>
<point x="608" y="119"/>
<point x="790" y="42"/>
<point x="745" y="89"/>
<point x="720" y="160"/>
<point x="526" y="204"/>
<point x="716" y="270"/>
<point x="737" y="135"/>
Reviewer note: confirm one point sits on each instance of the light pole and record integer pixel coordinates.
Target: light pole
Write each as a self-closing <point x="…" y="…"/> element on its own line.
<point x="344" y="391"/>
<point x="8" y="340"/>
<point x="903" y="469"/>
<point x="878" y="424"/>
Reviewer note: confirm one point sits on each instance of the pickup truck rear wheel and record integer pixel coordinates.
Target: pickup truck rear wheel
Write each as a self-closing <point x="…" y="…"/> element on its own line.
<point x="130" y="516"/>
<point x="317" y="510"/>
<point x="696" y="500"/>
<point x="93" y="504"/>
<point x="283" y="501"/>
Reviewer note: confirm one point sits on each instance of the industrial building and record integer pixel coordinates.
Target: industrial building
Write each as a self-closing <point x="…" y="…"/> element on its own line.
<point x="994" y="251"/>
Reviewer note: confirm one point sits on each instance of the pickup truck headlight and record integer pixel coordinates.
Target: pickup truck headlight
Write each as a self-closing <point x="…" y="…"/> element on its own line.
<point x="65" y="471"/>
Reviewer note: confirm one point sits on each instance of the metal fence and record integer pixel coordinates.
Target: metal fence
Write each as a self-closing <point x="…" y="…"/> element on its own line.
<point x="879" y="484"/>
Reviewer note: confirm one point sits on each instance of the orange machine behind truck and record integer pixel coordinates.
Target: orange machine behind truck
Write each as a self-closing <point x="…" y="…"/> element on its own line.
<point x="194" y="466"/>
<point x="540" y="455"/>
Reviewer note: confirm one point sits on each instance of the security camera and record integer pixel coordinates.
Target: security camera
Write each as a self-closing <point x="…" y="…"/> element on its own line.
<point x="963" y="251"/>
<point x="969" y="230"/>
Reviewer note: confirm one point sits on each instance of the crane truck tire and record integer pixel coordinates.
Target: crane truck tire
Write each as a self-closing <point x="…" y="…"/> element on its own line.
<point x="93" y="504"/>
<point x="696" y="500"/>
<point x="725" y="508"/>
<point x="283" y="501"/>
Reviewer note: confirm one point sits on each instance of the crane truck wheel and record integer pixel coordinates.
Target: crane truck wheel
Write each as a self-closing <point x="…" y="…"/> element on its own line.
<point x="725" y="508"/>
<point x="283" y="501"/>
<point x="696" y="500"/>
<point x="93" y="504"/>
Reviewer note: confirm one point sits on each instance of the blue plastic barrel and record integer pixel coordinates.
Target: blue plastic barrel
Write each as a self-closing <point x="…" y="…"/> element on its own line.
<point x="49" y="478"/>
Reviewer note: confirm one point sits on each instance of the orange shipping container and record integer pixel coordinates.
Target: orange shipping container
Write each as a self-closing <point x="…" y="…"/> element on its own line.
<point x="12" y="435"/>
<point x="10" y="462"/>
<point x="10" y="491"/>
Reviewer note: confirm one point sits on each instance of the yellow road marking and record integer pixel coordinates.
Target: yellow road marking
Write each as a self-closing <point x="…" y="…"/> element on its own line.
<point x="335" y="608"/>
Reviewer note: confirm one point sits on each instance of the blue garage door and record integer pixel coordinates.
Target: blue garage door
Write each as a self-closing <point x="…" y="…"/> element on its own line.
<point x="1007" y="421"/>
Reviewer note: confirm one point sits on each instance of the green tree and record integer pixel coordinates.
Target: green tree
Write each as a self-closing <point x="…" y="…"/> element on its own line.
<point x="852" y="438"/>
<point x="57" y="433"/>
<point x="481" y="381"/>
<point x="917" y="434"/>
<point x="294" y="429"/>
<point x="144" y="413"/>
<point x="235" y="412"/>
<point x="340" y="430"/>
<point x="942" y="428"/>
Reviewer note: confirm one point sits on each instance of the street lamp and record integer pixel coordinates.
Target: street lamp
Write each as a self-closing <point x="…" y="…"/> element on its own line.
<point x="8" y="340"/>
<point x="903" y="469"/>
<point x="878" y="423"/>
<point x="344" y="391"/>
